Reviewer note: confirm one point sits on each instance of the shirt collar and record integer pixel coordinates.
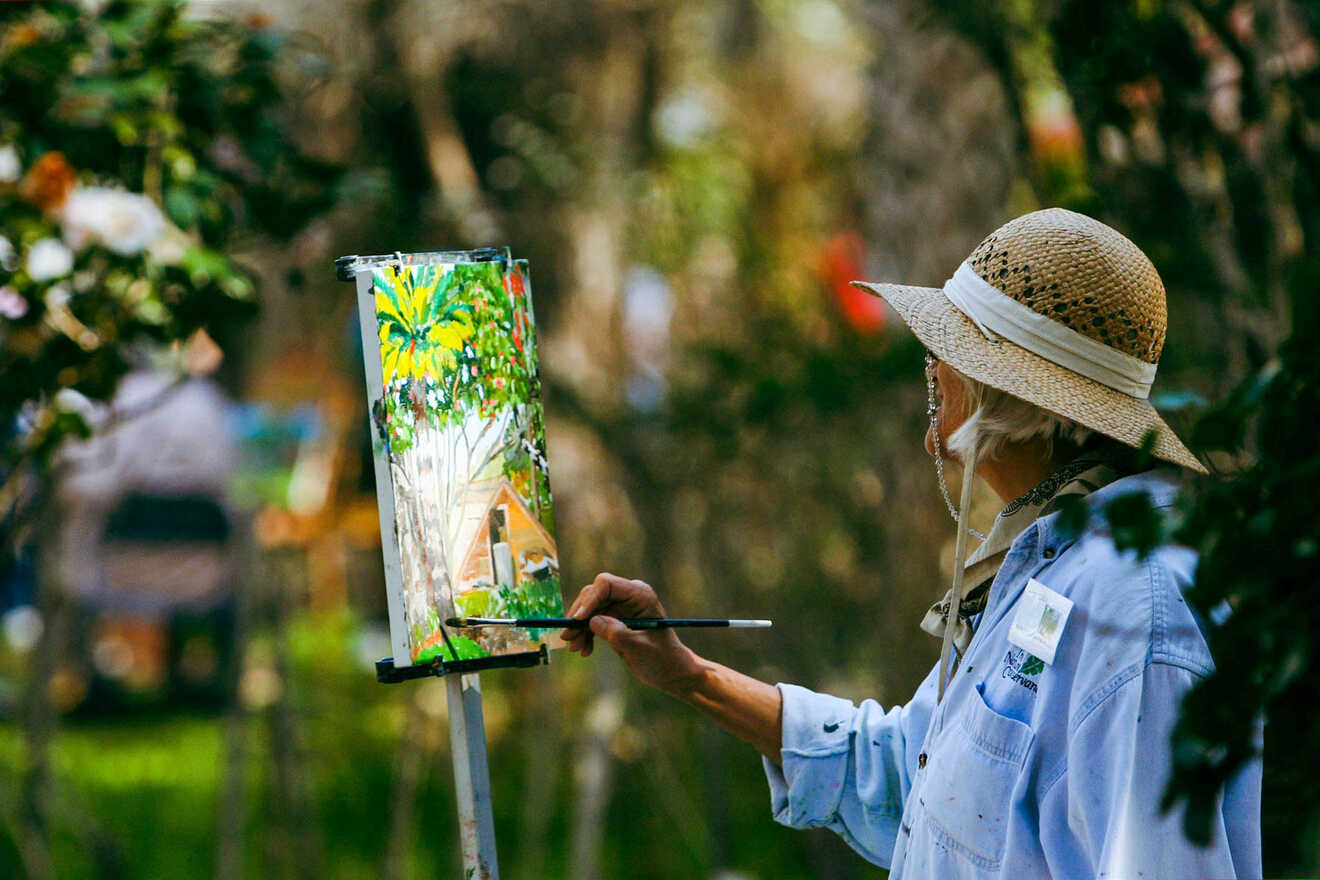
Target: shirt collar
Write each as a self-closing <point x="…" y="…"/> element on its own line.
<point x="1160" y="485"/>
<point x="1091" y="471"/>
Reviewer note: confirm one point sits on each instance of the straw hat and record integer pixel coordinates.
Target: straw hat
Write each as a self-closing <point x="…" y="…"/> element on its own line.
<point x="1061" y="311"/>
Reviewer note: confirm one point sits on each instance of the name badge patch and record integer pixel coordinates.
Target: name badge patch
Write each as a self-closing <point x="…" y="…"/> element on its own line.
<point x="1038" y="624"/>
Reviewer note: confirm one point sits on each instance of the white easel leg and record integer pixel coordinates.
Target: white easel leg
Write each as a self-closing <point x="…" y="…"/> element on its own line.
<point x="467" y="736"/>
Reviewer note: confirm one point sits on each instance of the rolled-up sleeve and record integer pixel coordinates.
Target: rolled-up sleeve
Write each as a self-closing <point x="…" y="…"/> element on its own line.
<point x="846" y="767"/>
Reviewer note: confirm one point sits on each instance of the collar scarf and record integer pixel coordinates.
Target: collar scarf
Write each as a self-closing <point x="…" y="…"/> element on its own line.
<point x="1081" y="476"/>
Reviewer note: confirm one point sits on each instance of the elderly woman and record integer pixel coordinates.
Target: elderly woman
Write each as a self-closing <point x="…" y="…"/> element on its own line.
<point x="1039" y="745"/>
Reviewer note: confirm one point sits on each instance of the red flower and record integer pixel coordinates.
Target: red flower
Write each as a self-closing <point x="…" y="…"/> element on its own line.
<point x="513" y="284"/>
<point x="842" y="263"/>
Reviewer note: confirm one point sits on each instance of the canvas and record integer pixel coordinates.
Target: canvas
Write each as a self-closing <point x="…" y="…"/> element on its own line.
<point x="467" y="519"/>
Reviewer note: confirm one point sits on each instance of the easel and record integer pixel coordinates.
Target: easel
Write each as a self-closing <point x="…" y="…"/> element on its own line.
<point x="467" y="727"/>
<point x="467" y="740"/>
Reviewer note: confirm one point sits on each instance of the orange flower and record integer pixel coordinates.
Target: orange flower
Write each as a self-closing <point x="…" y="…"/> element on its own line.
<point x="21" y="35"/>
<point x="48" y="182"/>
<point x="1142" y="94"/>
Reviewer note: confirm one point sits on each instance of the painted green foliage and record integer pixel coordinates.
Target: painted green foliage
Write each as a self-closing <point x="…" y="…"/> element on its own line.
<point x="531" y="598"/>
<point x="460" y="407"/>
<point x="455" y="340"/>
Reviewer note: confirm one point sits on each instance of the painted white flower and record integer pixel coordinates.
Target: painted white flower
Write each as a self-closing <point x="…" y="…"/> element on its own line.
<point x="125" y="222"/>
<point x="7" y="254"/>
<point x="49" y="258"/>
<point x="12" y="303"/>
<point x="10" y="168"/>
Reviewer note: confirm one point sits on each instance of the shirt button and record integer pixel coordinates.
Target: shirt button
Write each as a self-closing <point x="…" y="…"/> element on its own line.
<point x="921" y="760"/>
<point x="1049" y="553"/>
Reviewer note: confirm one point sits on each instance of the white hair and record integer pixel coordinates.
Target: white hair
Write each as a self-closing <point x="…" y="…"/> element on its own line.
<point x="998" y="418"/>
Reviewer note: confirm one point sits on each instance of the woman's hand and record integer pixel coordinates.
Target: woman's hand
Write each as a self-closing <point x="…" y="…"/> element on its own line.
<point x="656" y="657"/>
<point x="745" y="707"/>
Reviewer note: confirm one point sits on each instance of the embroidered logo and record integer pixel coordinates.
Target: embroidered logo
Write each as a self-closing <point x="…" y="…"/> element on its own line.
<point x="1021" y="668"/>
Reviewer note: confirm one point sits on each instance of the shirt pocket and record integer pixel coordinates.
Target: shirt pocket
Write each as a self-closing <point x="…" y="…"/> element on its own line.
<point x="969" y="787"/>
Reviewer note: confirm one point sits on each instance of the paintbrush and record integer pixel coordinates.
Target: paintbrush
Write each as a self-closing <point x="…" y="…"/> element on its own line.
<point x="630" y="622"/>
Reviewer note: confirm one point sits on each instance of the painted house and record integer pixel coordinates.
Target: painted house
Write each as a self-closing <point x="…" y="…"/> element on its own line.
<point x="504" y="542"/>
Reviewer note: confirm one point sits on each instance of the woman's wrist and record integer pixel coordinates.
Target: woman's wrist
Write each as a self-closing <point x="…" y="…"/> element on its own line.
<point x="689" y="675"/>
<point x="747" y="708"/>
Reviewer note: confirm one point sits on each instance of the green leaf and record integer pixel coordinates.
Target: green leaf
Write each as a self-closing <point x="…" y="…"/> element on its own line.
<point x="1073" y="515"/>
<point x="203" y="264"/>
<point x="1135" y="523"/>
<point x="182" y="206"/>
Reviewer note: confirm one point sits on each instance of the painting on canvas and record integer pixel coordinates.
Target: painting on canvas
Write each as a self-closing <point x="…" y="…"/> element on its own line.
<point x="459" y="440"/>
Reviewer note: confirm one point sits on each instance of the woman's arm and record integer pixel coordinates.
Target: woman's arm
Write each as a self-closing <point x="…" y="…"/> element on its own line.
<point x="745" y="707"/>
<point x="821" y="752"/>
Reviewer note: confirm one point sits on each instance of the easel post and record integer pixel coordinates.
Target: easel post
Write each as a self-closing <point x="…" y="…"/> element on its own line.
<point x="467" y="728"/>
<point x="467" y="738"/>
<point x="467" y="744"/>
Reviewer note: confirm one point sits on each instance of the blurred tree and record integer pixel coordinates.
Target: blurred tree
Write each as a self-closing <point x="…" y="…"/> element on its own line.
<point x="678" y="171"/>
<point x="138" y="147"/>
<point x="138" y="144"/>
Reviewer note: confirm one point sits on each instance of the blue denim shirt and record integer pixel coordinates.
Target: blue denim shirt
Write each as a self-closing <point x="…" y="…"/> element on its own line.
<point x="1026" y="769"/>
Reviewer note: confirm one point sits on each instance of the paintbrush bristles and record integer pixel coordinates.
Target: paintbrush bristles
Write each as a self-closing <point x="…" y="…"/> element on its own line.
<point x="534" y="622"/>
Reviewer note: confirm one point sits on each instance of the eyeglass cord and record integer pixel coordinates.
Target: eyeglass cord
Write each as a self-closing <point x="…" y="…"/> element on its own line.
<point x="932" y="410"/>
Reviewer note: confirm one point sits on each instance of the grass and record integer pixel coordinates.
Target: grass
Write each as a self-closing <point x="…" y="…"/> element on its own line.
<point x="151" y="782"/>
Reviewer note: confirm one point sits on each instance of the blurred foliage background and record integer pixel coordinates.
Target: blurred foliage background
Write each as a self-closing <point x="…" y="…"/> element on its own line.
<point x="192" y="597"/>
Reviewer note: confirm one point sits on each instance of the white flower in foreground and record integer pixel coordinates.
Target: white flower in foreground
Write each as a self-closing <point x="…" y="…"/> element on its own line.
<point x="7" y="254"/>
<point x="58" y="296"/>
<point x="70" y="401"/>
<point x="125" y="222"/>
<point x="48" y="259"/>
<point x="22" y="627"/>
<point x="170" y="246"/>
<point x="10" y="168"/>
<point x="12" y="303"/>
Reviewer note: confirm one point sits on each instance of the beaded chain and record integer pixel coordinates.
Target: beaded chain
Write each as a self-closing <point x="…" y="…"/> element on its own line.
<point x="932" y="410"/>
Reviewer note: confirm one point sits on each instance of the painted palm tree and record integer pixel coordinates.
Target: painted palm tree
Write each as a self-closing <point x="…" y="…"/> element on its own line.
<point x="423" y="326"/>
